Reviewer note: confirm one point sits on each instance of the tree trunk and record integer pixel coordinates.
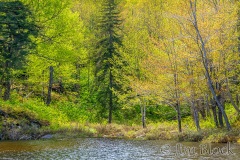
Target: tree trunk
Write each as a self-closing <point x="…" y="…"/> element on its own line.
<point x="61" y="86"/>
<point x="200" y="107"/>
<point x="214" y="110"/>
<point x="179" y="116"/>
<point x="49" y="96"/>
<point x="6" y="95"/>
<point x="237" y="100"/>
<point x="110" y="97"/>
<point x="231" y="98"/>
<point x="205" y="63"/>
<point x="208" y="107"/>
<point x="203" y="113"/>
<point x="196" y="119"/>
<point x="195" y="115"/>
<point x="220" y="118"/>
<point x="143" y="111"/>
<point x="77" y="86"/>
<point x="43" y="86"/>
<point x="177" y="103"/>
<point x="221" y="108"/>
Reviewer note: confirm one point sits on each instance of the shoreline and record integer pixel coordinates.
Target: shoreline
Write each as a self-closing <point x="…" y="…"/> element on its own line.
<point x="116" y="131"/>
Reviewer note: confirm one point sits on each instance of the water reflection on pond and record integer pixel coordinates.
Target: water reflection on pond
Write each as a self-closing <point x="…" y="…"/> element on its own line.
<point x="107" y="149"/>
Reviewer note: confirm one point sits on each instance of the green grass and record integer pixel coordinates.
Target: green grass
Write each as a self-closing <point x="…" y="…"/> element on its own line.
<point x="57" y="117"/>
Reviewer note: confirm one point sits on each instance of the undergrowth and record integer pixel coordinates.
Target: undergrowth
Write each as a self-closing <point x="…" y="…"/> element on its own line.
<point x="70" y="118"/>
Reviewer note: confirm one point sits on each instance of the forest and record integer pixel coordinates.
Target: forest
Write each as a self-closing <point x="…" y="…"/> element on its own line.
<point x="121" y="68"/>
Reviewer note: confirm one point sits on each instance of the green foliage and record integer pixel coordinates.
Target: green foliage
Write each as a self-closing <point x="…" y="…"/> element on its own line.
<point x="74" y="112"/>
<point x="17" y="31"/>
<point x="59" y="116"/>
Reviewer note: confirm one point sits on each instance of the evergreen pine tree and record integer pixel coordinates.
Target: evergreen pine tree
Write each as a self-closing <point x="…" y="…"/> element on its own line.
<point x="16" y="28"/>
<point x="109" y="40"/>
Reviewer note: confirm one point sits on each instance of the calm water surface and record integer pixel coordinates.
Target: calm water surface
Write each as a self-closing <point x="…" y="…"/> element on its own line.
<point x="111" y="149"/>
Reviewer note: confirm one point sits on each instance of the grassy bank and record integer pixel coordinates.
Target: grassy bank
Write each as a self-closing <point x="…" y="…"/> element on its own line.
<point x="68" y="119"/>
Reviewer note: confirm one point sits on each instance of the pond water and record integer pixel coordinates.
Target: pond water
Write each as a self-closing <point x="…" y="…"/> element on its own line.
<point x="119" y="149"/>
